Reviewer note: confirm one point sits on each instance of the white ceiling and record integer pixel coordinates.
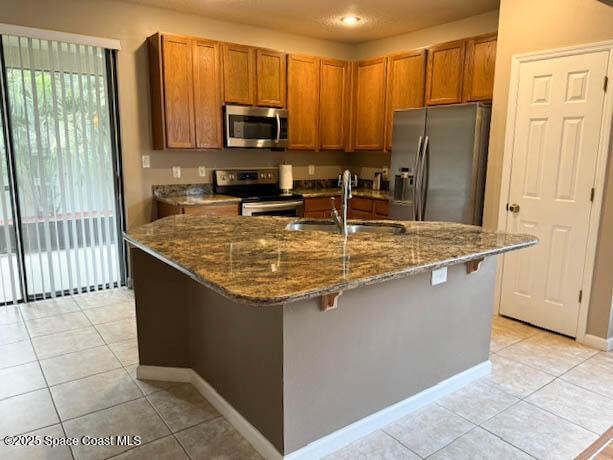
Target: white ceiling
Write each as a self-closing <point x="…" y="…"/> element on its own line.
<point x="320" y="18"/>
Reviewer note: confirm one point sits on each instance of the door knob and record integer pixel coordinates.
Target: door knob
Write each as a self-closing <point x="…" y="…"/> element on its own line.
<point x="514" y="208"/>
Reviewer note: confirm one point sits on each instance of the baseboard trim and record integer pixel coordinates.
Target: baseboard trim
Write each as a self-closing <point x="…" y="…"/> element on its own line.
<point x="331" y="442"/>
<point x="598" y="342"/>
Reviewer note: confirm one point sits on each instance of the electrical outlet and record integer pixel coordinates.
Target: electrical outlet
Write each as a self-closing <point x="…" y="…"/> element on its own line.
<point x="385" y="171"/>
<point x="146" y="161"/>
<point x="202" y="171"/>
<point x="176" y="172"/>
<point x="439" y="276"/>
<point x="311" y="170"/>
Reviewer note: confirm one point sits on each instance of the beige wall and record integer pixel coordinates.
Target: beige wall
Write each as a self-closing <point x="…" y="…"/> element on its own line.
<point x="131" y="24"/>
<point x="529" y="25"/>
<point x="474" y="25"/>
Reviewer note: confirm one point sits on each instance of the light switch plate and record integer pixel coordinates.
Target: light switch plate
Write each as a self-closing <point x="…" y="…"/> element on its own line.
<point x="311" y="170"/>
<point x="146" y="161"/>
<point x="439" y="276"/>
<point x="202" y="171"/>
<point x="176" y="172"/>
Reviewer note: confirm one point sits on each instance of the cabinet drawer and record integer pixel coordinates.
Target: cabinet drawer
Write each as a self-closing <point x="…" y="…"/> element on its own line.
<point x="361" y="204"/>
<point x="381" y="208"/>
<point x="213" y="210"/>
<point x="320" y="204"/>
<point x="317" y="214"/>
<point x="357" y="214"/>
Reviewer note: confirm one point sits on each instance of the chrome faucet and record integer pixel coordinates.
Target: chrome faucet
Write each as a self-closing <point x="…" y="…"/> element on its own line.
<point x="341" y="221"/>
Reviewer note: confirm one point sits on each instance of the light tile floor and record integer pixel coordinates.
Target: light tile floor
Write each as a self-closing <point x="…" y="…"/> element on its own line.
<point x="68" y="368"/>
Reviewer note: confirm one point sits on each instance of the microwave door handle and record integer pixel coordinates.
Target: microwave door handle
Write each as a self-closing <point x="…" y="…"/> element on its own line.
<point x="278" y="128"/>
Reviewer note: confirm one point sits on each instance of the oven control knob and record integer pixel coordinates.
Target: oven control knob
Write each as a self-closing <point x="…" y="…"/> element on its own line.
<point x="231" y="176"/>
<point x="223" y="177"/>
<point x="270" y="175"/>
<point x="262" y="176"/>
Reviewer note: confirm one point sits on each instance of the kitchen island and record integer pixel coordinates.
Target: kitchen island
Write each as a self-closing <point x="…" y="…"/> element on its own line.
<point x="252" y="314"/>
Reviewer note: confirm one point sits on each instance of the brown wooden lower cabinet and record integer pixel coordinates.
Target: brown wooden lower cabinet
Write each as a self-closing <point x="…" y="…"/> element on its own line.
<point x="227" y="209"/>
<point x="359" y="208"/>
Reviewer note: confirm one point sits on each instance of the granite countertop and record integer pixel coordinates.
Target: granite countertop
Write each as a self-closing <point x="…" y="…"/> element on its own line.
<point x="360" y="192"/>
<point x="198" y="200"/>
<point x="255" y="260"/>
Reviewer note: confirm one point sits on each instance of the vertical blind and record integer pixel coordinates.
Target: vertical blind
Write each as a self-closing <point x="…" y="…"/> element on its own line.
<point x="10" y="287"/>
<point x="60" y="125"/>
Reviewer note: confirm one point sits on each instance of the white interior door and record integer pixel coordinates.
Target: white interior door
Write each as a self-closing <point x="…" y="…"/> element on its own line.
<point x="555" y="146"/>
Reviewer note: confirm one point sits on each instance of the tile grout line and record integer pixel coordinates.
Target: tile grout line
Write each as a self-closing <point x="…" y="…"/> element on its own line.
<point x="57" y="413"/>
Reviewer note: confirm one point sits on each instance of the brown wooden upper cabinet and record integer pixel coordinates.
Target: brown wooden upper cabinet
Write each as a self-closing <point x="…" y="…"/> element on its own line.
<point x="238" y="74"/>
<point x="445" y="73"/>
<point x="303" y="102"/>
<point x="270" y="73"/>
<point x="479" y="68"/>
<point x="253" y="76"/>
<point x="207" y="94"/>
<point x="369" y="104"/>
<point x="406" y="74"/>
<point x="185" y="92"/>
<point x="335" y="90"/>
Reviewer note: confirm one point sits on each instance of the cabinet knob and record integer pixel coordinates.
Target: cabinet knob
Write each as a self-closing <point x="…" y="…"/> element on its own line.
<point x="514" y="208"/>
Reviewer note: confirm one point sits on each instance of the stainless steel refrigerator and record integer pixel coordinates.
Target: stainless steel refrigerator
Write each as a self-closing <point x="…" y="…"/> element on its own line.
<point x="438" y="163"/>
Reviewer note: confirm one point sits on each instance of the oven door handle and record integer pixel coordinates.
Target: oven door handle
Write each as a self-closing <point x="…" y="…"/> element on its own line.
<point x="278" y="127"/>
<point x="276" y="206"/>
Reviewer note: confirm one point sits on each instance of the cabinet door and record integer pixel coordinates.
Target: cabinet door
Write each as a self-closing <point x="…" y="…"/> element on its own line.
<point x="207" y="95"/>
<point x="238" y="74"/>
<point x="370" y="104"/>
<point x="333" y="104"/>
<point x="271" y="86"/>
<point x="178" y="92"/>
<point x="406" y="78"/>
<point x="303" y="102"/>
<point x="445" y="73"/>
<point x="479" y="68"/>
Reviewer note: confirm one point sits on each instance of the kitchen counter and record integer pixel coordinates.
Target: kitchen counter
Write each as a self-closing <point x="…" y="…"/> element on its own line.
<point x="254" y="260"/>
<point x="197" y="200"/>
<point x="358" y="192"/>
<point x="312" y="368"/>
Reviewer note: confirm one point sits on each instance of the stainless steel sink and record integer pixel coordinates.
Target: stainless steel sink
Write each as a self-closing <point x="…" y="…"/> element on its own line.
<point x="322" y="226"/>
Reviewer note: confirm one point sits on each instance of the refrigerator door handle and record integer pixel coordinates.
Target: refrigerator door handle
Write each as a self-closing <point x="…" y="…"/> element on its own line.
<point x="416" y="179"/>
<point x="423" y="176"/>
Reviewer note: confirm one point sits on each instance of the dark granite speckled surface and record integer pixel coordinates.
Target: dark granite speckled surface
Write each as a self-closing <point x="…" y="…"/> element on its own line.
<point x="255" y="260"/>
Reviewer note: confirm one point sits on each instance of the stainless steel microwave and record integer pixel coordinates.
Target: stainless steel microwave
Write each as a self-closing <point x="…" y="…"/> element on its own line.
<point x="255" y="126"/>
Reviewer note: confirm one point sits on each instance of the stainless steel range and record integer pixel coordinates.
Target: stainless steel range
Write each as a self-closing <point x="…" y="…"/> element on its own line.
<point x="258" y="189"/>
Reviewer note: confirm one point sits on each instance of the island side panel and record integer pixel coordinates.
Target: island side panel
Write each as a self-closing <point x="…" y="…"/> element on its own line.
<point x="238" y="350"/>
<point x="383" y="344"/>
<point x="161" y="294"/>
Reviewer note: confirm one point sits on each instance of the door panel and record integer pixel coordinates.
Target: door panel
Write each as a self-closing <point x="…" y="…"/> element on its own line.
<point x="559" y="112"/>
<point x="303" y="102"/>
<point x="445" y="73"/>
<point x="178" y="92"/>
<point x="451" y="173"/>
<point x="238" y="74"/>
<point x="370" y="105"/>
<point x="479" y="69"/>
<point x="207" y="95"/>
<point x="405" y="85"/>
<point x="333" y="104"/>
<point x="271" y="72"/>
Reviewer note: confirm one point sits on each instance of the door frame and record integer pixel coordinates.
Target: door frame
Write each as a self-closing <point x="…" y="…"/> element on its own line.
<point x="604" y="145"/>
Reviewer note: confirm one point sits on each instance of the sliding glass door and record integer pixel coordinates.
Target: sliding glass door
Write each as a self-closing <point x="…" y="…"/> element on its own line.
<point x="10" y="274"/>
<point x="63" y="147"/>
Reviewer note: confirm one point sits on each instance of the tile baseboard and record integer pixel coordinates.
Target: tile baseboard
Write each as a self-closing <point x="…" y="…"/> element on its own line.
<point x="331" y="442"/>
<point x="598" y="342"/>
